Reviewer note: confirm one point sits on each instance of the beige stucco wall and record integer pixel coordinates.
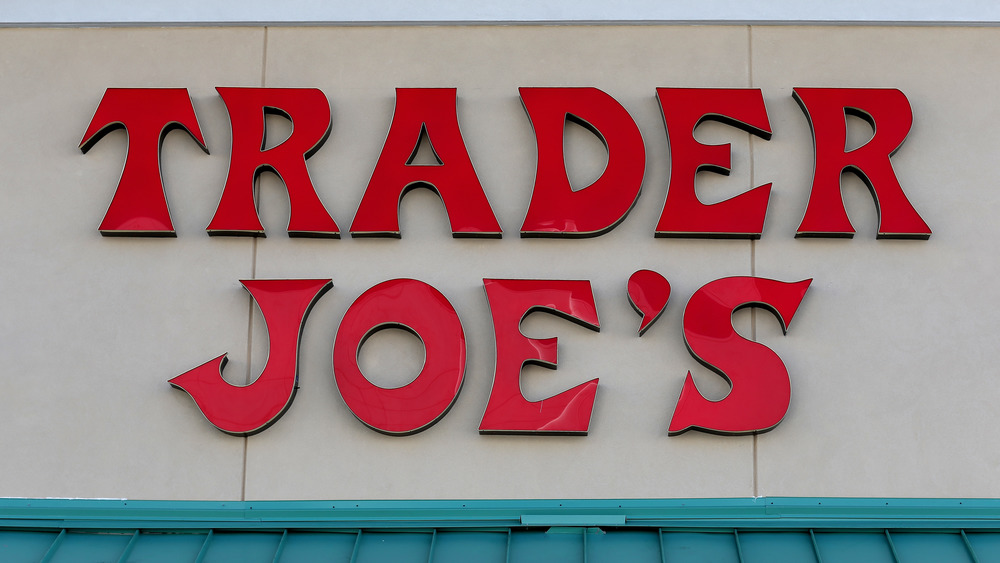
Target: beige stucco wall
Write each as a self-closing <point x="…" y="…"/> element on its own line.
<point x="891" y="354"/>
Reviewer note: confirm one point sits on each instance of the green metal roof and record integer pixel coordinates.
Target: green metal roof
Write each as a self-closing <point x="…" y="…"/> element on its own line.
<point x="765" y="530"/>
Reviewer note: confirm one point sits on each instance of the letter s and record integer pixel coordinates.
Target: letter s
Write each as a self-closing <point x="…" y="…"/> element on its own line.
<point x="761" y="389"/>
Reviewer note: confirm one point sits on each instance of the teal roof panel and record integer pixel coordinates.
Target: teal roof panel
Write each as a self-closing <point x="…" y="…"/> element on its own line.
<point x="638" y="546"/>
<point x="931" y="546"/>
<point x="776" y="547"/>
<point x="159" y="547"/>
<point x="98" y="547"/>
<point x="986" y="546"/>
<point x="399" y="547"/>
<point x="847" y="547"/>
<point x="306" y="546"/>
<point x="532" y="546"/>
<point x="700" y="547"/>
<point x="16" y="545"/>
<point x="242" y="547"/>
<point x="640" y="531"/>
<point x="455" y="546"/>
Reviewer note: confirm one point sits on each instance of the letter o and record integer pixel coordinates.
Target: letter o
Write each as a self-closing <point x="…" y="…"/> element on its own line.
<point x="419" y="308"/>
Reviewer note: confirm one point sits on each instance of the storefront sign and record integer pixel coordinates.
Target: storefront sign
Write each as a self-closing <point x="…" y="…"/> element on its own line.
<point x="139" y="206"/>
<point x="760" y="384"/>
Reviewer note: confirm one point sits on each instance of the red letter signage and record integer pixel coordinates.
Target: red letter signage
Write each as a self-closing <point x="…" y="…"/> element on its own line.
<point x="430" y="113"/>
<point x="419" y="308"/>
<point x="761" y="389"/>
<point x="648" y="293"/>
<point x="139" y="206"/>
<point x="246" y="410"/>
<point x="684" y="214"/>
<point x="507" y="411"/>
<point x="889" y="114"/>
<point x="309" y="112"/>
<point x="555" y="209"/>
<point x="427" y="118"/>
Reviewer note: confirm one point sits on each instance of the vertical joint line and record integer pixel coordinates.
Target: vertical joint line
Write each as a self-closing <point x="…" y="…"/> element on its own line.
<point x="892" y="547"/>
<point x="253" y="240"/>
<point x="281" y="547"/>
<point x="123" y="558"/>
<point x="253" y="256"/>
<point x="750" y="85"/>
<point x="253" y="274"/>
<point x="263" y="64"/>
<point x="357" y="547"/>
<point x="753" y="242"/>
<point x="249" y="372"/>
<point x="430" y="552"/>
<point x="753" y="261"/>
<point x="812" y="536"/>
<point x="968" y="545"/>
<point x="54" y="547"/>
<point x="204" y="547"/>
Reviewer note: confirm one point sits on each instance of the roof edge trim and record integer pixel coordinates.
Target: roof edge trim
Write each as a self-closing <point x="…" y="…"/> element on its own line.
<point x="741" y="513"/>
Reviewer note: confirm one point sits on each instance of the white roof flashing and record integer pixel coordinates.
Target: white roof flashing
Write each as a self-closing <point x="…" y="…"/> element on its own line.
<point x="427" y="12"/>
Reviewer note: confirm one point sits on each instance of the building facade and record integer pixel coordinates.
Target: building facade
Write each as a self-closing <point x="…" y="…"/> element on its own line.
<point x="884" y="450"/>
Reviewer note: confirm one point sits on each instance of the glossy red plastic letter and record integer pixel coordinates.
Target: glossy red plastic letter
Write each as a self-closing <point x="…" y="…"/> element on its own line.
<point x="309" y="112"/>
<point x="419" y="308"/>
<point x="760" y="385"/>
<point x="139" y="206"/>
<point x="429" y="114"/>
<point x="648" y="293"/>
<point x="889" y="114"/>
<point x="247" y="410"/>
<point x="507" y="411"/>
<point x="555" y="209"/>
<point x="684" y="215"/>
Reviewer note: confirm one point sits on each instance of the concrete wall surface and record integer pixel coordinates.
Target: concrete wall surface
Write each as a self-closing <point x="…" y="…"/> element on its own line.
<point x="891" y="355"/>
